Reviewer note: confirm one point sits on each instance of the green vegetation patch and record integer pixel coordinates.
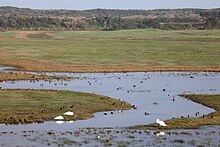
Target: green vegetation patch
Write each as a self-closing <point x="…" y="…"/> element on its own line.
<point x="127" y="50"/>
<point x="26" y="106"/>
<point x="212" y="101"/>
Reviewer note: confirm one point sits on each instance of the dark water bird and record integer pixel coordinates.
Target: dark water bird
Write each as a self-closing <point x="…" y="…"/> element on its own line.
<point x="154" y="103"/>
<point x="197" y="113"/>
<point x="134" y="107"/>
<point x="42" y="111"/>
<point x="105" y="113"/>
<point x="145" y="113"/>
<point x="63" y="108"/>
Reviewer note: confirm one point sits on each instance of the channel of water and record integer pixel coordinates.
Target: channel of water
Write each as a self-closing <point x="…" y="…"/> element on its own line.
<point x="153" y="92"/>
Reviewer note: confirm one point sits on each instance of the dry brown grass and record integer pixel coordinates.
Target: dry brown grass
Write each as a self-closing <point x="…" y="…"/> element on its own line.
<point x="12" y="76"/>
<point x="46" y="66"/>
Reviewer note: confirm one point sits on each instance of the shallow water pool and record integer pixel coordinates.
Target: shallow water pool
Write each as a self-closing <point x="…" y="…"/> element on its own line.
<point x="153" y="92"/>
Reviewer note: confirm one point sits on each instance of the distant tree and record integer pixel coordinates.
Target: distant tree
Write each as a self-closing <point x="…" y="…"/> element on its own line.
<point x="212" y="23"/>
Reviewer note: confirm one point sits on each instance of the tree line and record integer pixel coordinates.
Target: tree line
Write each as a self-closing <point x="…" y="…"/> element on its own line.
<point x="196" y="19"/>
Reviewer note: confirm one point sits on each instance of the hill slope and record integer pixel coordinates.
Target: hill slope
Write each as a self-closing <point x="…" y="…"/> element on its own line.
<point x="106" y="19"/>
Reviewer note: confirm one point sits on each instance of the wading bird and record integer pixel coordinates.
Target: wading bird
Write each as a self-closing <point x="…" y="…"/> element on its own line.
<point x="59" y="117"/>
<point x="68" y="113"/>
<point x="161" y="123"/>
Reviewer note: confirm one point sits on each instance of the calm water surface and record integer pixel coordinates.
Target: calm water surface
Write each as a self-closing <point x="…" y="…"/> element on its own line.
<point x="152" y="92"/>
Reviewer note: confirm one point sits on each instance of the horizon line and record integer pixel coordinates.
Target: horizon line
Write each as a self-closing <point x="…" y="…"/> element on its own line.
<point x="110" y="8"/>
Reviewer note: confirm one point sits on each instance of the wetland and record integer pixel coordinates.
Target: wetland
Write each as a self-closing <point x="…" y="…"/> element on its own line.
<point x="160" y="94"/>
<point x="117" y="83"/>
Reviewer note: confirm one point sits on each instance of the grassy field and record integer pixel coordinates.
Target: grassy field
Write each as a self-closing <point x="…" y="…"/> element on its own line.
<point x="11" y="76"/>
<point x="212" y="101"/>
<point x="126" y="50"/>
<point x="26" y="106"/>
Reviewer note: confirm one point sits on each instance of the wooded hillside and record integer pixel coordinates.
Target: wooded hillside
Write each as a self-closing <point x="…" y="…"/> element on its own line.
<point x="12" y="18"/>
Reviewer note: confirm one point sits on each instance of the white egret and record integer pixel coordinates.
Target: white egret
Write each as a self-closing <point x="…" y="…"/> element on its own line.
<point x="68" y="113"/>
<point x="161" y="123"/>
<point x="59" y="117"/>
<point x="160" y="134"/>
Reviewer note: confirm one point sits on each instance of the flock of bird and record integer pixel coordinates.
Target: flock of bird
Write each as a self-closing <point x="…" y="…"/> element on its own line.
<point x="60" y="117"/>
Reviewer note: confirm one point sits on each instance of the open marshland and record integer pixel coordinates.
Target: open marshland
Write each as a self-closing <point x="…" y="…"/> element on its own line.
<point x="119" y="108"/>
<point x="126" y="50"/>
<point x="152" y="94"/>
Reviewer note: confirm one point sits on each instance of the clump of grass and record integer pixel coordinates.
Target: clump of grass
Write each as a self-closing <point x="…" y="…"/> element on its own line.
<point x="27" y="106"/>
<point x="66" y="141"/>
<point x="212" y="101"/>
<point x="192" y="142"/>
<point x="39" y="36"/>
<point x="178" y="141"/>
<point x="130" y="136"/>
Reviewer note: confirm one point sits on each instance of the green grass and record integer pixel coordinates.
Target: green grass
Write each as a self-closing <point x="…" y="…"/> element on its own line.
<point x="212" y="101"/>
<point x="113" y="49"/>
<point x="25" y="106"/>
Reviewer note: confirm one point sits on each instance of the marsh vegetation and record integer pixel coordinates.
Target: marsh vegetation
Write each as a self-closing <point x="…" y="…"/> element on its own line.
<point x="114" y="51"/>
<point x="28" y="106"/>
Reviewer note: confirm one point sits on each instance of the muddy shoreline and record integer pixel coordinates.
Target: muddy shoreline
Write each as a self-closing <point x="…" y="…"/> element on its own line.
<point x="114" y="69"/>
